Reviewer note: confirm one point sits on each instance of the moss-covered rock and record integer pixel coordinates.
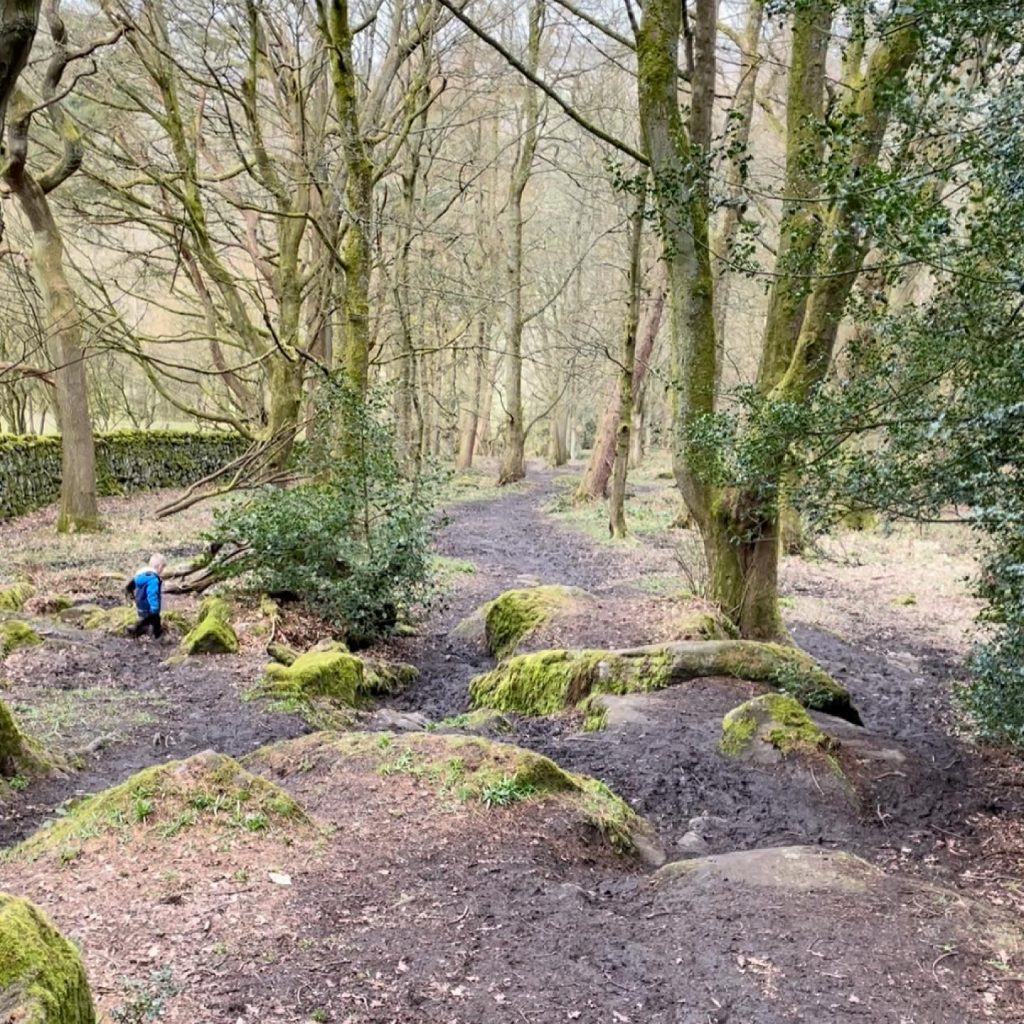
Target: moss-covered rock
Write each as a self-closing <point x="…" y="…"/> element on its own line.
<point x="547" y="682"/>
<point x="504" y="623"/>
<point x="213" y="632"/>
<point x="13" y="598"/>
<point x="14" y="634"/>
<point x="166" y="799"/>
<point x="112" y="620"/>
<point x="324" y="686"/>
<point x="773" y="722"/>
<point x="42" y="980"/>
<point x="20" y="755"/>
<point x="467" y="769"/>
<point x="78" y="614"/>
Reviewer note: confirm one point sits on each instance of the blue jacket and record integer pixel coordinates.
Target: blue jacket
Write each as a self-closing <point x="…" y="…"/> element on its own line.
<point x="147" y="593"/>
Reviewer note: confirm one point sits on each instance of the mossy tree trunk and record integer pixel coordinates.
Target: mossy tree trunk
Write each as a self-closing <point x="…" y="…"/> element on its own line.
<point x="513" y="458"/>
<point x="617" y="498"/>
<point x="78" y="503"/>
<point x="821" y="253"/>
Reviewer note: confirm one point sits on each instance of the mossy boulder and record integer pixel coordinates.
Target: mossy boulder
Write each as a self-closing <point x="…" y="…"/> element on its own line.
<point x="13" y="598"/>
<point x="112" y="620"/>
<point x="78" y="614"/>
<point x="462" y="769"/>
<point x="504" y="623"/>
<point x="20" y="755"/>
<point x="331" y="678"/>
<point x="42" y="980"/>
<point x="547" y="682"/>
<point x="213" y="632"/>
<point x="769" y="727"/>
<point x="14" y="634"/>
<point x="166" y="799"/>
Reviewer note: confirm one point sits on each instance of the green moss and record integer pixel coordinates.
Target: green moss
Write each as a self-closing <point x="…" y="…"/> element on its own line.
<point x="324" y="687"/>
<point x="514" y="615"/>
<point x="166" y="799"/>
<point x="20" y="755"/>
<point x="12" y="599"/>
<point x="15" y="634"/>
<point x="282" y="654"/>
<point x="112" y="620"/>
<point x="42" y="980"/>
<point x="772" y="718"/>
<point x="547" y="682"/>
<point x="335" y="674"/>
<point x="213" y="632"/>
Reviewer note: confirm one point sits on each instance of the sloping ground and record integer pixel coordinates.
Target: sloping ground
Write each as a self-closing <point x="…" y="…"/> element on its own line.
<point x="429" y="878"/>
<point x="397" y="894"/>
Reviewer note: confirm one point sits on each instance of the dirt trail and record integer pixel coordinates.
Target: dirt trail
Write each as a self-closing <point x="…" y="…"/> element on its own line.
<point x="431" y="914"/>
<point x="667" y="765"/>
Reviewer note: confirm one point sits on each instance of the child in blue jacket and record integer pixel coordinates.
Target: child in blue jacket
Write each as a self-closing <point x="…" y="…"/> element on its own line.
<point x="146" y="587"/>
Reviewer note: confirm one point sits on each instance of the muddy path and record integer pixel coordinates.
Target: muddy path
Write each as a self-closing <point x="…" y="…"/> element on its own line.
<point x="430" y="911"/>
<point x="118" y="709"/>
<point x="667" y="764"/>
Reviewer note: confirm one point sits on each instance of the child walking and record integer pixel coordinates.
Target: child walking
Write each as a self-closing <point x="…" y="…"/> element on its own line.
<point x="146" y="587"/>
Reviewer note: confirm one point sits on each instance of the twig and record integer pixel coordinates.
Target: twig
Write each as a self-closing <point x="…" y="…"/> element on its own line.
<point x="938" y="960"/>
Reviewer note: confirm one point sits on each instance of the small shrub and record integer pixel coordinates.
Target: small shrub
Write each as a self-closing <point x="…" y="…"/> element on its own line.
<point x="352" y="543"/>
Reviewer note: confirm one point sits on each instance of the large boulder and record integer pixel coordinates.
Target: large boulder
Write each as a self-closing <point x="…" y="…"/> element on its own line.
<point x="19" y="754"/>
<point x="503" y="624"/>
<point x="213" y="632"/>
<point x="546" y="682"/>
<point x="42" y="980"/>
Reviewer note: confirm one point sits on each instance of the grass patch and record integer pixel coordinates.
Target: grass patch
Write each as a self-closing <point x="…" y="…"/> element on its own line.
<point x="65" y="718"/>
<point x="649" y="511"/>
<point x="459" y="771"/>
<point x="164" y="801"/>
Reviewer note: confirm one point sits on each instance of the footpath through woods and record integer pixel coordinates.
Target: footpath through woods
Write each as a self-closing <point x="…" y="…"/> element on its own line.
<point x="383" y="895"/>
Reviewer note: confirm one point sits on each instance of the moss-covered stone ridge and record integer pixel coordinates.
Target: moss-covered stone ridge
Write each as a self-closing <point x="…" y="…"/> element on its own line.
<point x="461" y="769"/>
<point x="336" y="675"/>
<point x="20" y="755"/>
<point x="13" y="598"/>
<point x="547" y="682"/>
<point x="774" y="723"/>
<point x="504" y="623"/>
<point x="166" y="799"/>
<point x="14" y="634"/>
<point x="213" y="632"/>
<point x="42" y="980"/>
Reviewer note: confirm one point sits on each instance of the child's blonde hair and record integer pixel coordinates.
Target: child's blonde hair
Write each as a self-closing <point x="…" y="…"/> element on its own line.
<point x="157" y="562"/>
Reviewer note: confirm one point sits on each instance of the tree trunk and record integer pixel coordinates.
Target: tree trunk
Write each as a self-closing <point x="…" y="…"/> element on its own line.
<point x="513" y="460"/>
<point x="470" y="413"/>
<point x="617" y="500"/>
<point x="78" y="506"/>
<point x="594" y="483"/>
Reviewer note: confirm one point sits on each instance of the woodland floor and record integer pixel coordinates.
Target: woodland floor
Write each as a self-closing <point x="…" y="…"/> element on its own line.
<point x="403" y="908"/>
